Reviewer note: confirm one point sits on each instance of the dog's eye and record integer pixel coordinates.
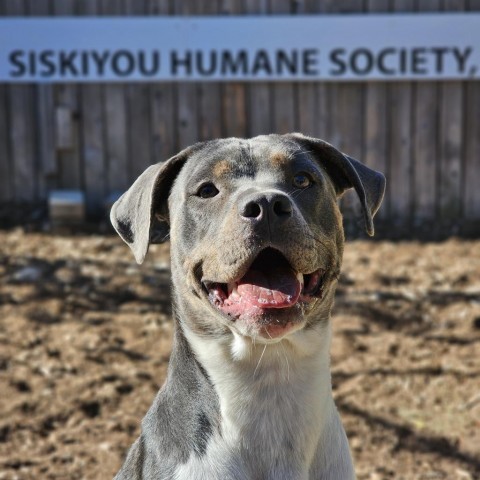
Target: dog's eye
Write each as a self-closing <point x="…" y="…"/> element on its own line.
<point x="302" y="180"/>
<point x="207" y="190"/>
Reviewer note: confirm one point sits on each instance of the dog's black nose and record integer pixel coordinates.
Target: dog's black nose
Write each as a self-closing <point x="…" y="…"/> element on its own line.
<point x="259" y="206"/>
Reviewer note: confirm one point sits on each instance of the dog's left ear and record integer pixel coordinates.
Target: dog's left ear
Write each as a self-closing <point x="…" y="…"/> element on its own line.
<point x="140" y="215"/>
<point x="346" y="172"/>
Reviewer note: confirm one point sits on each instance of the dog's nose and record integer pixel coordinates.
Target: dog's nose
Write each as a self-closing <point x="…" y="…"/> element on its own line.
<point x="273" y="206"/>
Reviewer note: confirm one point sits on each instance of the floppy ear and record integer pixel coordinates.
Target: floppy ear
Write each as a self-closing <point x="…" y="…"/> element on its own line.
<point x="346" y="172"/>
<point x="140" y="215"/>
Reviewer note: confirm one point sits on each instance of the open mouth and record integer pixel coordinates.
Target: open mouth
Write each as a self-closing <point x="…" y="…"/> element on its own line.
<point x="270" y="283"/>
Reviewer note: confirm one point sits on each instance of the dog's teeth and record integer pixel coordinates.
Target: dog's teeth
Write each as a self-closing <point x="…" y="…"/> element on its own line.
<point x="231" y="287"/>
<point x="300" y="277"/>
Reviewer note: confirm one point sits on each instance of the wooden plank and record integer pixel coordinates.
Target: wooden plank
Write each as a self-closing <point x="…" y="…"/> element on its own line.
<point x="63" y="128"/>
<point x="322" y="128"/>
<point x="451" y="143"/>
<point x="234" y="110"/>
<point x="210" y="110"/>
<point x="44" y="117"/>
<point x="45" y="122"/>
<point x="472" y="144"/>
<point x="349" y="110"/>
<point x="471" y="196"/>
<point x="425" y="152"/>
<point x="187" y="114"/>
<point x="186" y="93"/>
<point x="162" y="97"/>
<point x="350" y="134"/>
<point x="283" y="93"/>
<point x="400" y="184"/>
<point x="93" y="149"/>
<point x="400" y="147"/>
<point x="258" y="95"/>
<point x="21" y="129"/>
<point x="425" y="144"/>
<point x="116" y="134"/>
<point x="450" y="155"/>
<point x="67" y="102"/>
<point x="306" y="108"/>
<point x="22" y="143"/>
<point x="325" y="91"/>
<point x="6" y="191"/>
<point x="376" y="125"/>
<point x="6" y="175"/>
<point x="209" y="93"/>
<point x="346" y="121"/>
<point x="163" y="121"/>
<point x="233" y="93"/>
<point x="138" y="108"/>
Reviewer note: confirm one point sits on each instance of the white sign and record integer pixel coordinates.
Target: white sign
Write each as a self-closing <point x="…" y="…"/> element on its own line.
<point x="242" y="48"/>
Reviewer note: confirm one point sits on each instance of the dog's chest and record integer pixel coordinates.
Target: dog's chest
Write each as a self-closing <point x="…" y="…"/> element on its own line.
<point x="272" y="419"/>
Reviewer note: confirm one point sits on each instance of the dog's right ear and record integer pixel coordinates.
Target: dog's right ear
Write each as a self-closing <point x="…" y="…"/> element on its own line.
<point x="145" y="205"/>
<point x="346" y="172"/>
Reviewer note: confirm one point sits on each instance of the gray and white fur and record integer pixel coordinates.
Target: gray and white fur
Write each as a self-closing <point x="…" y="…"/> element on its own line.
<point x="247" y="395"/>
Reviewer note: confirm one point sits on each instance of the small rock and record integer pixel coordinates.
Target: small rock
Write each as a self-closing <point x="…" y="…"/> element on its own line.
<point x="28" y="274"/>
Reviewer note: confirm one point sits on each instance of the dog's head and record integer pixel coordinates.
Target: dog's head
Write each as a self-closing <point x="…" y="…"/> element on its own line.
<point x="256" y="233"/>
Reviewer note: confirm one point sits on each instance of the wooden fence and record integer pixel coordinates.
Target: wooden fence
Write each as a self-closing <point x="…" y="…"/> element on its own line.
<point x="425" y="136"/>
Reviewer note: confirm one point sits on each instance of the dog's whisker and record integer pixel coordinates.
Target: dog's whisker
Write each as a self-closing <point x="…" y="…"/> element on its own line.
<point x="292" y="192"/>
<point x="259" y="361"/>
<point x="286" y="360"/>
<point x="285" y="354"/>
<point x="296" y="193"/>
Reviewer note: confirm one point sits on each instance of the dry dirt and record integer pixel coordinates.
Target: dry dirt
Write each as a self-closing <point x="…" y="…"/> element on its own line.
<point x="85" y="340"/>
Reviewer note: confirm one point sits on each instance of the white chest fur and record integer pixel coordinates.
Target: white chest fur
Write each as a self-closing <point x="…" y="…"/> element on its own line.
<point x="278" y="416"/>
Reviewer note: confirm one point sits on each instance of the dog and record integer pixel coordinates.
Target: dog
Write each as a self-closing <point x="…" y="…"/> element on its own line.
<point x="256" y="249"/>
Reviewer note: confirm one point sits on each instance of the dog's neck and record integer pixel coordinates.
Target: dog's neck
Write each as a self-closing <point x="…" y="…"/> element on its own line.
<point x="275" y="399"/>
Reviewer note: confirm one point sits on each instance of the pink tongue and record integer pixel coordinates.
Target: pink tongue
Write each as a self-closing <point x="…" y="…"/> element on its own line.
<point x="278" y="288"/>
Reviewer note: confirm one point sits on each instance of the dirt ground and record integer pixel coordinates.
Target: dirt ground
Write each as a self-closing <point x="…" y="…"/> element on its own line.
<point x="85" y="339"/>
